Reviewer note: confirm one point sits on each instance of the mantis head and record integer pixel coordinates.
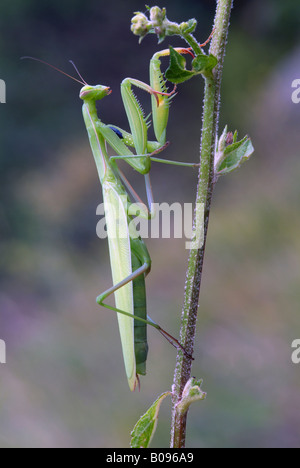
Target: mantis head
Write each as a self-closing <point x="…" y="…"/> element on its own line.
<point x="94" y="93"/>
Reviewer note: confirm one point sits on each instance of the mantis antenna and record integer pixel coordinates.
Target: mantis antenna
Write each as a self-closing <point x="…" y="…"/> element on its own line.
<point x="58" y="69"/>
<point x="83" y="81"/>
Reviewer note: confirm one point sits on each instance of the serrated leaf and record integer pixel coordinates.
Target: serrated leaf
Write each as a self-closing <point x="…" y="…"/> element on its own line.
<point x="204" y="63"/>
<point x="144" y="429"/>
<point x="177" y="73"/>
<point x="235" y="155"/>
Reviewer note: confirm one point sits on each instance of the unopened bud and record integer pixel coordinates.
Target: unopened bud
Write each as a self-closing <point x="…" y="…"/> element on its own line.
<point x="140" y="24"/>
<point x="229" y="139"/>
<point x="157" y="16"/>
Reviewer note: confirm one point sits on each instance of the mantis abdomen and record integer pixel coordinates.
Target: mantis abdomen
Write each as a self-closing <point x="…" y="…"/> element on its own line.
<point x="140" y="310"/>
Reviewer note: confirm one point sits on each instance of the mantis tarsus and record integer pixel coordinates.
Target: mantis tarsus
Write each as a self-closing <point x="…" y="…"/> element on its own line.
<point x="130" y="259"/>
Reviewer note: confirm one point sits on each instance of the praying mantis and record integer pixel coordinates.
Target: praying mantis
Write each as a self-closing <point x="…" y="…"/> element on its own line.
<point x="129" y="257"/>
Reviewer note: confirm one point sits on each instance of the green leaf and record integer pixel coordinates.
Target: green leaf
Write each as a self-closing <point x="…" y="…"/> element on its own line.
<point x="188" y="27"/>
<point x="144" y="429"/>
<point x="177" y="73"/>
<point x="235" y="155"/>
<point x="235" y="135"/>
<point x="192" y="392"/>
<point x="204" y="63"/>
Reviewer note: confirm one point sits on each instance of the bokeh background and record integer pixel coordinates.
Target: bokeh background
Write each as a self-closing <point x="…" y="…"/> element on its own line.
<point x="64" y="383"/>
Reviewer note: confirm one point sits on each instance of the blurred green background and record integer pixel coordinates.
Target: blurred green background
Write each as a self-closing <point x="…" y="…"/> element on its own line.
<point x="64" y="384"/>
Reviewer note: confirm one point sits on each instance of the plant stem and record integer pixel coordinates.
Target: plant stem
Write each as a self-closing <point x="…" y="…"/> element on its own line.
<point x="204" y="196"/>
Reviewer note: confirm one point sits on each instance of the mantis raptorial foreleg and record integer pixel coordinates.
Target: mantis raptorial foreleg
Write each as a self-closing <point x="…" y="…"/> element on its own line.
<point x="145" y="150"/>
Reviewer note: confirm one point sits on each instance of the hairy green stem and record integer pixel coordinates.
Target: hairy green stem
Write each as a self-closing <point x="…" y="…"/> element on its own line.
<point x="204" y="195"/>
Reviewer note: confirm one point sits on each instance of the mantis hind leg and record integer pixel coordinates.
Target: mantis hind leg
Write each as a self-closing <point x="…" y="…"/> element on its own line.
<point x="101" y="298"/>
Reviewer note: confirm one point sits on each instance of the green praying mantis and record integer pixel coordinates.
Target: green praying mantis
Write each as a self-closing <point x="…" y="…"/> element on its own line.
<point x="129" y="257"/>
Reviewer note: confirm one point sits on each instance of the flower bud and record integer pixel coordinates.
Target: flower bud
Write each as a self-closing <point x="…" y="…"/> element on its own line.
<point x="140" y="24"/>
<point x="229" y="139"/>
<point x="157" y="16"/>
